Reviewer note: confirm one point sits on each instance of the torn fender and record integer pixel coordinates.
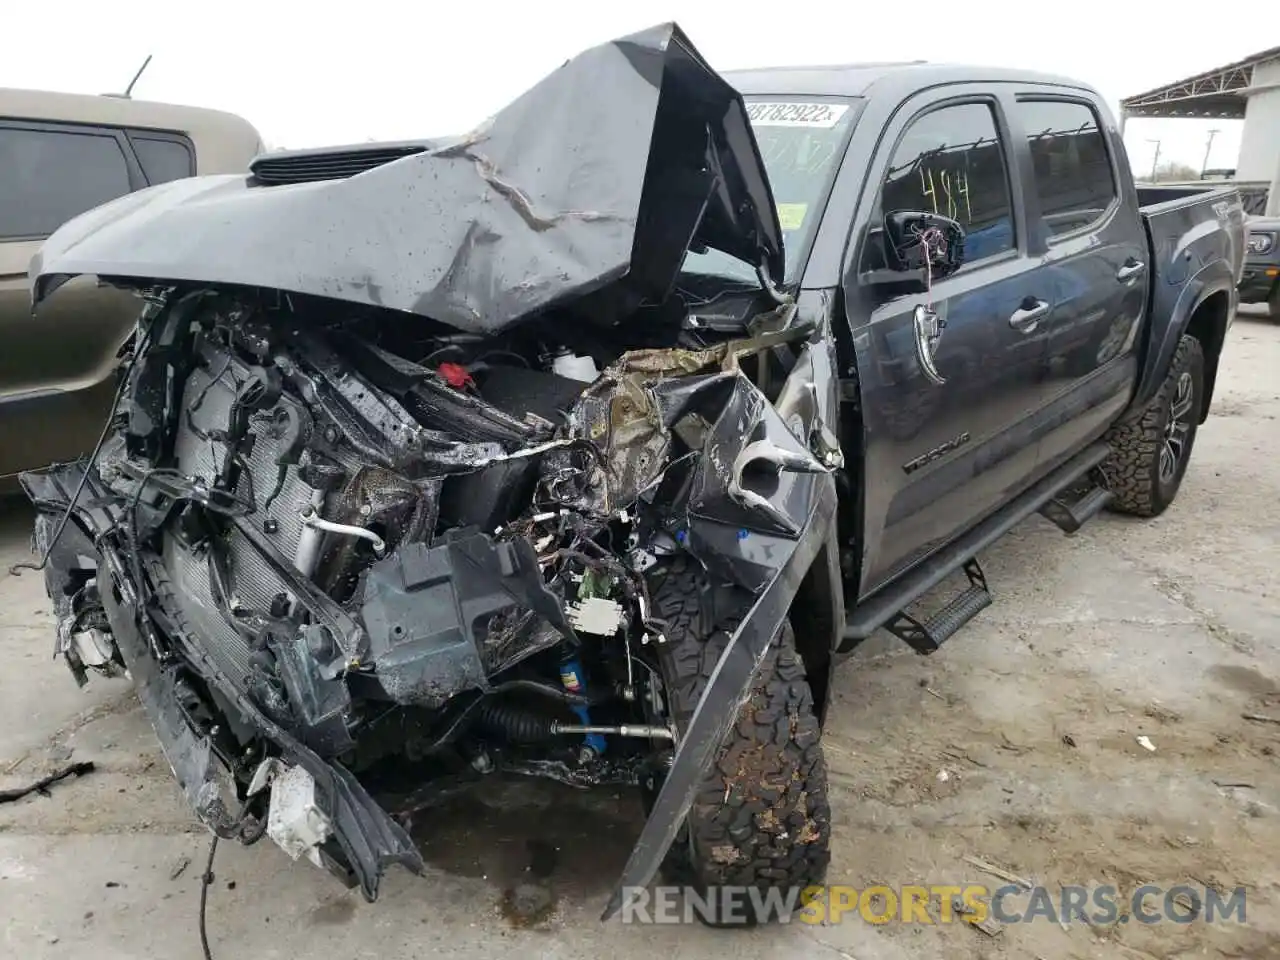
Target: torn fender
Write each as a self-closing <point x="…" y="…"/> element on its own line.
<point x="594" y="181"/>
<point x="729" y="686"/>
<point x="765" y="540"/>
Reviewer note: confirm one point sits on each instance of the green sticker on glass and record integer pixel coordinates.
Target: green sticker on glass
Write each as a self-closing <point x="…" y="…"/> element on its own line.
<point x="791" y="215"/>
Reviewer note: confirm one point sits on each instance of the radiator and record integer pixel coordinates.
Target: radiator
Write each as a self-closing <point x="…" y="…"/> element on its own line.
<point x="253" y="583"/>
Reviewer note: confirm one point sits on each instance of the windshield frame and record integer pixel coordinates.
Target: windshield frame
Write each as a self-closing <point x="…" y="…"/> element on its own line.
<point x="855" y="105"/>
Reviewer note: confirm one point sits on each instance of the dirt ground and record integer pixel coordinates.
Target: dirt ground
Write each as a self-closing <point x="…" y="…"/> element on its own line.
<point x="1016" y="744"/>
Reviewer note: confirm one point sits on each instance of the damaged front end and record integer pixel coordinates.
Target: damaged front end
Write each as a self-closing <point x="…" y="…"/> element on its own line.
<point x="369" y="527"/>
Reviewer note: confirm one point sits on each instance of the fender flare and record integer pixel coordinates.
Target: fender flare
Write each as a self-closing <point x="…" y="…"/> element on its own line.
<point x="1162" y="342"/>
<point x="817" y="617"/>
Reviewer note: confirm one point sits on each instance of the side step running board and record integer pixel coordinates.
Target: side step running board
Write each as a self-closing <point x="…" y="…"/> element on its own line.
<point x="925" y="638"/>
<point x="883" y="605"/>
<point x="1071" y="514"/>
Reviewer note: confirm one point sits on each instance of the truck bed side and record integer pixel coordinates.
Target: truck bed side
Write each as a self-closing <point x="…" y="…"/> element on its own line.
<point x="1196" y="244"/>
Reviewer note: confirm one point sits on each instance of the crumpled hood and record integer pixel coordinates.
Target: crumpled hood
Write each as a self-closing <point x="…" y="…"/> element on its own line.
<point x="596" y="180"/>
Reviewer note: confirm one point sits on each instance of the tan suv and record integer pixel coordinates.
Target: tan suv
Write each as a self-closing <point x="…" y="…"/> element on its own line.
<point x="60" y="155"/>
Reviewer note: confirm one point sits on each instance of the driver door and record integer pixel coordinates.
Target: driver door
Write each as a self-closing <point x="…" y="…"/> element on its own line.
<point x="942" y="456"/>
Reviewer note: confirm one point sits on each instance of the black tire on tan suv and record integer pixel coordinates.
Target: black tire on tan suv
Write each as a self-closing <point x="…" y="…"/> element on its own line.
<point x="1150" y="452"/>
<point x="761" y="818"/>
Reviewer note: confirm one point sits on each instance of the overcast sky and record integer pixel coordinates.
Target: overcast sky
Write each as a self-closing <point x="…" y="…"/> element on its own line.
<point x="308" y="74"/>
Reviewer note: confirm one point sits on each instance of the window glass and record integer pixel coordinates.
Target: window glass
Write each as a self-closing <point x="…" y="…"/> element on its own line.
<point x="47" y="177"/>
<point x="1073" y="173"/>
<point x="800" y="143"/>
<point x="950" y="161"/>
<point x="163" y="160"/>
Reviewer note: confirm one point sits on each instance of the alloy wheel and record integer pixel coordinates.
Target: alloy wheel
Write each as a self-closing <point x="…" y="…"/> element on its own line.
<point x="1178" y="428"/>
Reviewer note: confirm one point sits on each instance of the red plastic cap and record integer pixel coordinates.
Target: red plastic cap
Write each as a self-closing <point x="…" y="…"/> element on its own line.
<point x="456" y="375"/>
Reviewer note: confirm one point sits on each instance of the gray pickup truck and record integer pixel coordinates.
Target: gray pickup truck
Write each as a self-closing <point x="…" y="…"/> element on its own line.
<point x="1260" y="282"/>
<point x="583" y="446"/>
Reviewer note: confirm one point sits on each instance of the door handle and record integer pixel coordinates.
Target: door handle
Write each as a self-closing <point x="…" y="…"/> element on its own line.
<point x="1132" y="268"/>
<point x="1027" y="316"/>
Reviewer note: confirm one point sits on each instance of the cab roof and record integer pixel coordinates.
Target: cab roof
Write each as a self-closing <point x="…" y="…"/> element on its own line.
<point x="866" y="79"/>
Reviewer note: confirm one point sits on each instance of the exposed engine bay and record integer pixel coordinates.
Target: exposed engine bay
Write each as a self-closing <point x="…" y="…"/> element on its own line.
<point x="346" y="527"/>
<point x="339" y="545"/>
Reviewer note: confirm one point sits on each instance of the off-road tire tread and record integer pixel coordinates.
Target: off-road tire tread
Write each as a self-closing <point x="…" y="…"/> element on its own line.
<point x="762" y="817"/>
<point x="1131" y="472"/>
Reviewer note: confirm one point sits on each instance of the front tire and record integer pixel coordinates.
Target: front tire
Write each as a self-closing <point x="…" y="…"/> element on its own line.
<point x="761" y="817"/>
<point x="1150" y="453"/>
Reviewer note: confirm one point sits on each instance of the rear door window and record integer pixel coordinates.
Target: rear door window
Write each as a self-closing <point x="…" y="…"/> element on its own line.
<point x="1075" y="182"/>
<point x="47" y="177"/>
<point x="163" y="160"/>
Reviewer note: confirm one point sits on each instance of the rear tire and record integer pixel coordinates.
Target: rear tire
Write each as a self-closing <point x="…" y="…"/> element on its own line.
<point x="761" y="818"/>
<point x="1150" y="453"/>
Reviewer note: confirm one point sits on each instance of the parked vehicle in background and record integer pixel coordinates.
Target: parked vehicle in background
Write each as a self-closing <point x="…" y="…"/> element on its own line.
<point x="583" y="446"/>
<point x="1260" y="282"/>
<point x="60" y="155"/>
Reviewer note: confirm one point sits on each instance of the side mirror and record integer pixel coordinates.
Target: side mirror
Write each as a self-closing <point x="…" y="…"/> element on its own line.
<point x="914" y="239"/>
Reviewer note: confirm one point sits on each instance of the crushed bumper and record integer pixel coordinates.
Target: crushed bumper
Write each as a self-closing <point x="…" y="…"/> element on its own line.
<point x="1258" y="282"/>
<point x="369" y="839"/>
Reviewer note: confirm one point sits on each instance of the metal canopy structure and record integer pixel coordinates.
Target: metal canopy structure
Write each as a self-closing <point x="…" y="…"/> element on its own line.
<point x="1219" y="94"/>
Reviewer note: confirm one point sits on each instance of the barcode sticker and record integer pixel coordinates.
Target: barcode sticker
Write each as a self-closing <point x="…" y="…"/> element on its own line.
<point x="794" y="114"/>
